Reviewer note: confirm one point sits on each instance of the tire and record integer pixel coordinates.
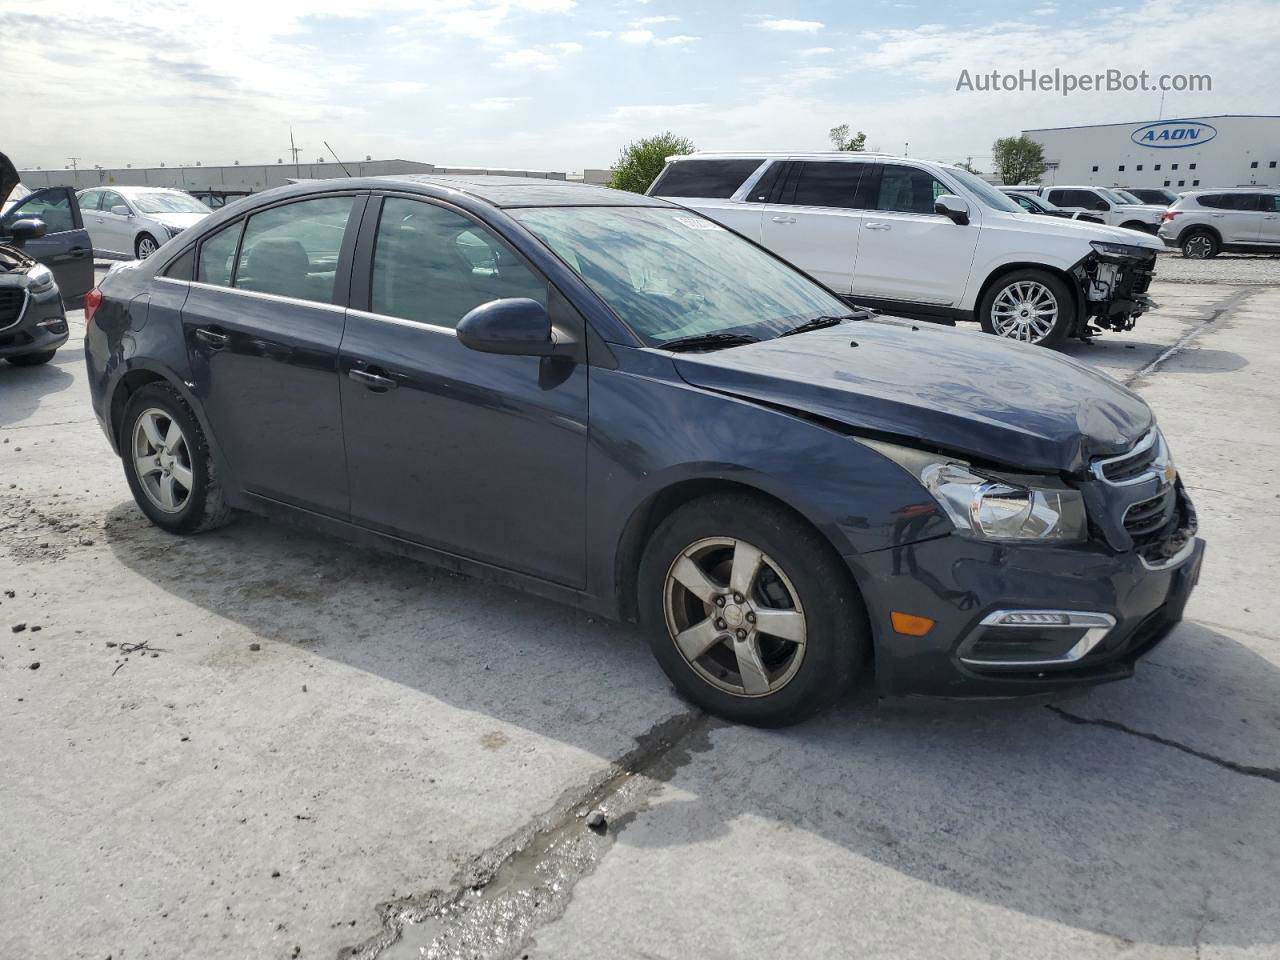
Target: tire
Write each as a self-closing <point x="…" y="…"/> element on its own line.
<point x="1200" y="245"/>
<point x="32" y="359"/>
<point x="799" y="581"/>
<point x="1028" y="290"/>
<point x="145" y="246"/>
<point x="196" y="502"/>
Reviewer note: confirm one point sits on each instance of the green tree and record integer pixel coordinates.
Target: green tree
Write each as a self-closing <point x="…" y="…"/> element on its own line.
<point x="641" y="161"/>
<point x="841" y="140"/>
<point x="968" y="165"/>
<point x="1018" y="160"/>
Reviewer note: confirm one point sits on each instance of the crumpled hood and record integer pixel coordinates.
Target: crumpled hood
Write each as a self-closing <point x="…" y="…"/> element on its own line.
<point x="1021" y="406"/>
<point x="13" y="260"/>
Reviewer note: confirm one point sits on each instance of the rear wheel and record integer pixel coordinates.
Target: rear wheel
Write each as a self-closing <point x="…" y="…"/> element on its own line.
<point x="749" y="611"/>
<point x="1031" y="306"/>
<point x="32" y="359"/>
<point x="168" y="464"/>
<point x="146" y="246"/>
<point x="1200" y="245"/>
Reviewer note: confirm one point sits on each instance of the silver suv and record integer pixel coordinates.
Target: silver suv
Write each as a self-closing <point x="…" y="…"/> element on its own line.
<point x="1203" y="223"/>
<point x="1112" y="207"/>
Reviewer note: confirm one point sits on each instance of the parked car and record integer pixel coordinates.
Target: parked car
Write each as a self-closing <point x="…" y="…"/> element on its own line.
<point x="132" y="222"/>
<point x="60" y="242"/>
<point x="1156" y="196"/>
<point x="612" y="401"/>
<point x="923" y="239"/>
<point x="1114" y="209"/>
<point x="1204" y="223"/>
<point x="1032" y="203"/>
<point x="33" y="322"/>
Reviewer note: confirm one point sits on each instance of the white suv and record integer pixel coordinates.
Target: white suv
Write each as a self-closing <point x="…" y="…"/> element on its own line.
<point x="923" y="239"/>
<point x="1203" y="223"/>
<point x="1111" y="206"/>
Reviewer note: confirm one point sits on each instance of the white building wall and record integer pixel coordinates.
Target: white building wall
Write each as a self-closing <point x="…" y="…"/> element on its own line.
<point x="1242" y="151"/>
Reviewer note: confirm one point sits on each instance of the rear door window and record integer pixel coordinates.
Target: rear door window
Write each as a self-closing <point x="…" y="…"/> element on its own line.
<point x="1230" y="201"/>
<point x="292" y="250"/>
<point x="91" y="200"/>
<point x="217" y="256"/>
<point x="907" y="190"/>
<point x="836" y="183"/>
<point x="433" y="265"/>
<point x="712" y="179"/>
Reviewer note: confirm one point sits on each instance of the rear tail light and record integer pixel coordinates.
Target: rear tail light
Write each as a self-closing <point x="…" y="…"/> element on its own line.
<point x="92" y="300"/>
<point x="1170" y="214"/>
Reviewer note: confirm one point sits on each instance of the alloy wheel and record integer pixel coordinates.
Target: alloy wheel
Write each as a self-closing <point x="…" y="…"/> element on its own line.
<point x="146" y="247"/>
<point x="735" y="616"/>
<point x="162" y="459"/>
<point x="1197" y="248"/>
<point x="1026" y="311"/>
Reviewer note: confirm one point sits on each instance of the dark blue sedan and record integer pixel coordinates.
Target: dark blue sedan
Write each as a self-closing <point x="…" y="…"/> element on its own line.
<point x="614" y="402"/>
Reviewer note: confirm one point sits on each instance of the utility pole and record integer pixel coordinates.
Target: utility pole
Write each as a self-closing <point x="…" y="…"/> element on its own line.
<point x="1160" y="116"/>
<point x="74" y="160"/>
<point x="904" y="148"/>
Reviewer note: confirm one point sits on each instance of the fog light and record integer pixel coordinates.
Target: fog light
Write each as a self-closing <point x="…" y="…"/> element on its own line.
<point x="1035" y="620"/>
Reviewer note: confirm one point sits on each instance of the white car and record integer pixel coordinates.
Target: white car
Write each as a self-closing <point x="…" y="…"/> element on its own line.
<point x="1111" y="205"/>
<point x="923" y="239"/>
<point x="132" y="222"/>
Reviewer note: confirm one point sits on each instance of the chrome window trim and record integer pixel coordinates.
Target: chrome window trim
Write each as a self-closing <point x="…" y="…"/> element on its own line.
<point x="258" y="295"/>
<point x="1096" y="625"/>
<point x="402" y="322"/>
<point x="181" y="283"/>
<point x="22" y="312"/>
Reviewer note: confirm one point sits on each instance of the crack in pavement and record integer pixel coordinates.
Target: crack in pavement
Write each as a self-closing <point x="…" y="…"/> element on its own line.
<point x="1262" y="773"/>
<point x="527" y="880"/>
<point x="1223" y="306"/>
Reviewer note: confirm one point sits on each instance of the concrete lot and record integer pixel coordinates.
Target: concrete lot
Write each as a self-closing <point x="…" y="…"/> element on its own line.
<point x="400" y="768"/>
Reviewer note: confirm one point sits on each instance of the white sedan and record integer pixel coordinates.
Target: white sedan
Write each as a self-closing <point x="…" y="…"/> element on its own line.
<point x="132" y="222"/>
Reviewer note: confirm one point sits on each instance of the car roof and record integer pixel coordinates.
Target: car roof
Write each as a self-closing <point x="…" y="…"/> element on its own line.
<point x="804" y="155"/>
<point x="505" y="192"/>
<point x="1215" y="190"/>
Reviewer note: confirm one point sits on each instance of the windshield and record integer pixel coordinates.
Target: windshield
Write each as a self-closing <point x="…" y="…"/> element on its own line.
<point x="1112" y="195"/>
<point x="985" y="191"/>
<point x="1127" y="196"/>
<point x="671" y="273"/>
<point x="168" y="203"/>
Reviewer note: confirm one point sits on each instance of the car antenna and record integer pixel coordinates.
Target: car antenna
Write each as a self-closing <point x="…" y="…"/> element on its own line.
<point x="335" y="156"/>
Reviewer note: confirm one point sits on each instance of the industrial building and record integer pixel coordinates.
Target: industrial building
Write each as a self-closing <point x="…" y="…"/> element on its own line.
<point x="1191" y="152"/>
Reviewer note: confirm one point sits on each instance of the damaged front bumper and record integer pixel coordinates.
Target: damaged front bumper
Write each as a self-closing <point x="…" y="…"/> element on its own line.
<point x="1113" y="283"/>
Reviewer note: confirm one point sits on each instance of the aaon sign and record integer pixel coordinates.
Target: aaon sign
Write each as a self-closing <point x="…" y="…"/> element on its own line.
<point x="1168" y="134"/>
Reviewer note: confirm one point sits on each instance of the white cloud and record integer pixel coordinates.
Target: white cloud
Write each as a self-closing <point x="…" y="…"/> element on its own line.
<point x="643" y="37"/>
<point x="817" y="51"/>
<point x="791" y="26"/>
<point x="405" y="86"/>
<point x="678" y="40"/>
<point x="636" y="36"/>
<point x="538" y="58"/>
<point x="494" y="104"/>
<point x="650" y="21"/>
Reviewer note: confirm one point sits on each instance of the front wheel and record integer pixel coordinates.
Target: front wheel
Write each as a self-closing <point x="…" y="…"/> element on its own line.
<point x="146" y="246"/>
<point x="749" y="612"/>
<point x="168" y="464"/>
<point x="1031" y="306"/>
<point x="1200" y="245"/>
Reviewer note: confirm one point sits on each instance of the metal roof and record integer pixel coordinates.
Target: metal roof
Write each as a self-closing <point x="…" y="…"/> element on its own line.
<point x="528" y="191"/>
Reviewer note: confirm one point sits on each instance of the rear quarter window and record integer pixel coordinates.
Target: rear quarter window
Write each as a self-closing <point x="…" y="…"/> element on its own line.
<point x="713" y="179"/>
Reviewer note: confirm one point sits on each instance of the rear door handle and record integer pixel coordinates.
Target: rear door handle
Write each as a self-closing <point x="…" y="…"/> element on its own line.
<point x="784" y="219"/>
<point x="374" y="381"/>
<point x="212" y="338"/>
<point x="878" y="226"/>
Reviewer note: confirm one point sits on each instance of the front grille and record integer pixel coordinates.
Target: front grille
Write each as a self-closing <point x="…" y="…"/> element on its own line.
<point x="1147" y="521"/>
<point x="1131" y="465"/>
<point x="12" y="300"/>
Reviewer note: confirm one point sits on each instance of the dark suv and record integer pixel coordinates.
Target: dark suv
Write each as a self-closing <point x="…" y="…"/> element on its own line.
<point x="615" y="402"/>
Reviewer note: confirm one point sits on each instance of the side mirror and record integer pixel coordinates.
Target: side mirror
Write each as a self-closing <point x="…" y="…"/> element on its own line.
<point x="949" y="205"/>
<point x="514" y="326"/>
<point x="28" y="228"/>
<point x="120" y="210"/>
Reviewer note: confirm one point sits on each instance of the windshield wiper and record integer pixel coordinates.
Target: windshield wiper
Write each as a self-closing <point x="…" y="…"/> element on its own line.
<point x="709" y="341"/>
<point x="817" y="323"/>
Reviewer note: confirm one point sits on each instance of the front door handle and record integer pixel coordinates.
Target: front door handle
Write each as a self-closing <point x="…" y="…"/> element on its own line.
<point x="374" y="381"/>
<point x="784" y="219"/>
<point x="212" y="338"/>
<point x="878" y="226"/>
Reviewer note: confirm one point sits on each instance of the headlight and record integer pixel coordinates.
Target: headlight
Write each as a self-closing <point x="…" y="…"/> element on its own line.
<point x="1105" y="248"/>
<point x="173" y="231"/>
<point x="41" y="278"/>
<point x="995" y="506"/>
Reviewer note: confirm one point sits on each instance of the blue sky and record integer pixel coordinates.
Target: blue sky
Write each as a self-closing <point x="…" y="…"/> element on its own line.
<point x="562" y="84"/>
